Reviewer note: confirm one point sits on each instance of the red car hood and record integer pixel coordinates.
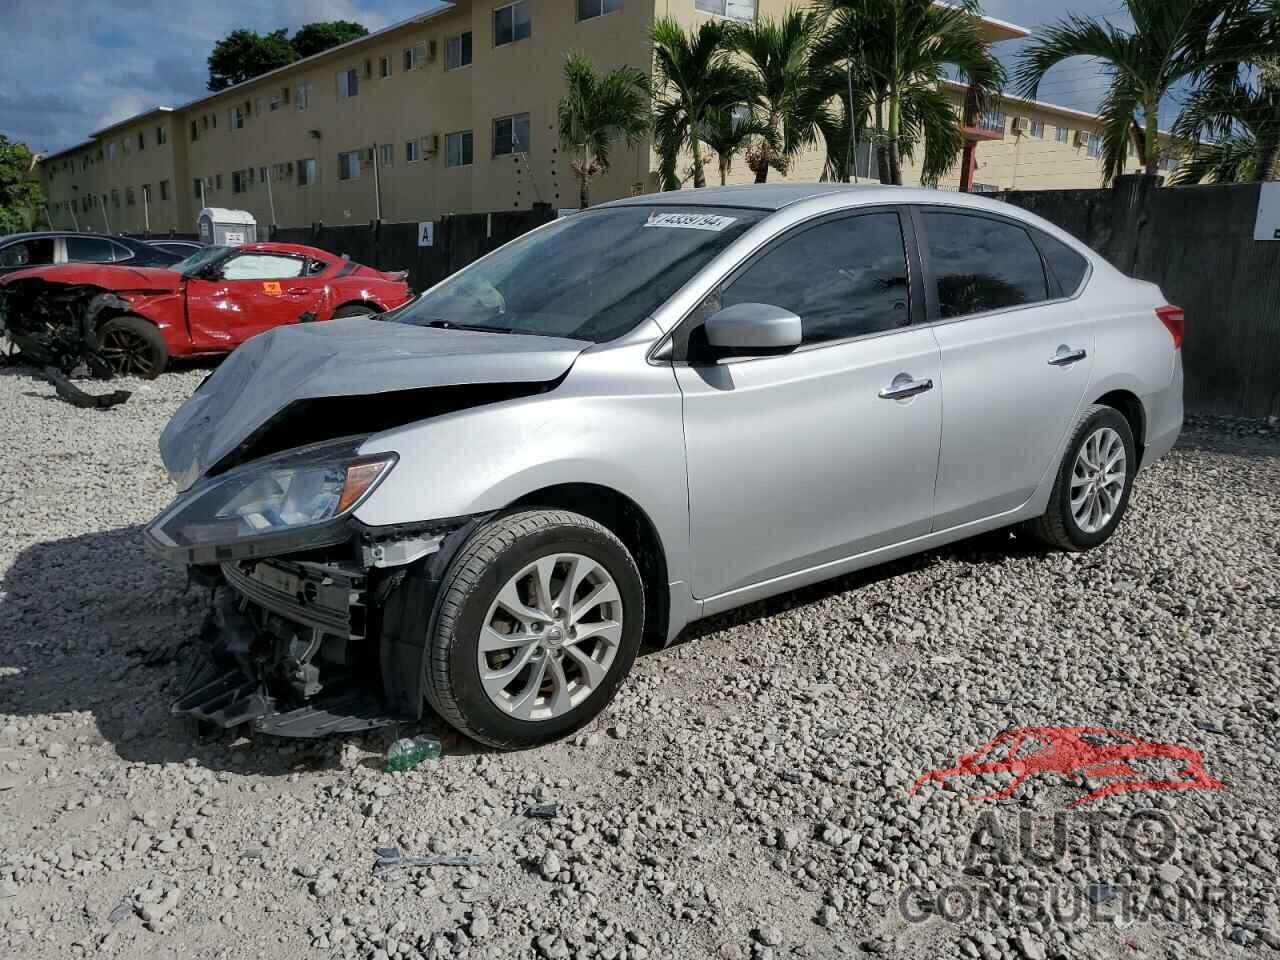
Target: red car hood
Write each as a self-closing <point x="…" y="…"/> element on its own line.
<point x="106" y="276"/>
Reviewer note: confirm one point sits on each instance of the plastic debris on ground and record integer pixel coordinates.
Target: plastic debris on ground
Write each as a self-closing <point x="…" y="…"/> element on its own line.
<point x="391" y="859"/>
<point x="410" y="752"/>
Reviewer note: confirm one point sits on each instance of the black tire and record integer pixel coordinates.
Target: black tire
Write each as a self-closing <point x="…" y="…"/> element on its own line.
<point x="1058" y="527"/>
<point x="133" y="347"/>
<point x="495" y="554"/>
<point x="354" y="310"/>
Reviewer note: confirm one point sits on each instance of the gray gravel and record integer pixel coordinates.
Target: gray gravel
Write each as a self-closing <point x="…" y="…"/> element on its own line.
<point x="745" y="797"/>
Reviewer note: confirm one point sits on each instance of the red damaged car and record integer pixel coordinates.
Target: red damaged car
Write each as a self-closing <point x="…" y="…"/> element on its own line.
<point x="137" y="318"/>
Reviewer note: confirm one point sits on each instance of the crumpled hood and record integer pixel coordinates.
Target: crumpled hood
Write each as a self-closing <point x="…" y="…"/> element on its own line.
<point x="353" y="357"/>
<point x="104" y="275"/>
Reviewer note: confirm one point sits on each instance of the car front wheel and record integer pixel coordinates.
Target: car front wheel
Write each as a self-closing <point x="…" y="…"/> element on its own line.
<point x="1094" y="483"/>
<point x="539" y="621"/>
<point x="133" y="347"/>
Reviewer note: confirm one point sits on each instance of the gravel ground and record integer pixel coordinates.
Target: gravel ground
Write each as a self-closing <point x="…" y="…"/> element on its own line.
<point x="747" y="795"/>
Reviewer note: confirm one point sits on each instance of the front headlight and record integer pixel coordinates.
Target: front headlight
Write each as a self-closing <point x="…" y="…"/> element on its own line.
<point x="287" y="502"/>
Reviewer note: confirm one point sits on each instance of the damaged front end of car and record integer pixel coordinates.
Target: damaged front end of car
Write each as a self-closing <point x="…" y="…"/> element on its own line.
<point x="53" y="324"/>
<point x="314" y="618"/>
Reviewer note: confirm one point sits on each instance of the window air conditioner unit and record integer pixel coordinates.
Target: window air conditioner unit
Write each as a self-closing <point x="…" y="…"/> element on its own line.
<point x="1081" y="139"/>
<point x="431" y="50"/>
<point x="1021" y="124"/>
<point x="366" y="157"/>
<point x="431" y="143"/>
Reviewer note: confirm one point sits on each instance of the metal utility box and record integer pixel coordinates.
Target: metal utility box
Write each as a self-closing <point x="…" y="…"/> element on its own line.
<point x="229" y="228"/>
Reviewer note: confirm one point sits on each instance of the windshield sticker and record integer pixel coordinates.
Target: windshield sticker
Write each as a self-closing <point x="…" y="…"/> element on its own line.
<point x="690" y="221"/>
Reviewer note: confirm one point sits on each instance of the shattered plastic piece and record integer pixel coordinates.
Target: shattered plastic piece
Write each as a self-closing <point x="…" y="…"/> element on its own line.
<point x="406" y="753"/>
<point x="69" y="392"/>
<point x="391" y="859"/>
<point x="120" y="911"/>
<point x="543" y="811"/>
<point x="791" y="776"/>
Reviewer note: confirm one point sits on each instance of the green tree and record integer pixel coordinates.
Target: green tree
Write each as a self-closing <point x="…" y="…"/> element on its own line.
<point x="694" y="80"/>
<point x="784" y="103"/>
<point x="313" y="38"/>
<point x="1171" y="41"/>
<point x="243" y="54"/>
<point x="21" y="196"/>
<point x="900" y="50"/>
<point x="597" y="110"/>
<point x="730" y="131"/>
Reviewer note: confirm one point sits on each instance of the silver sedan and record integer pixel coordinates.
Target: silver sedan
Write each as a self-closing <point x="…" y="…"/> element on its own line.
<point x="636" y="416"/>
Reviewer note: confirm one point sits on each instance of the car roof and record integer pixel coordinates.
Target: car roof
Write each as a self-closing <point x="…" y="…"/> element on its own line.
<point x="42" y="234"/>
<point x="266" y="247"/>
<point x="775" y="196"/>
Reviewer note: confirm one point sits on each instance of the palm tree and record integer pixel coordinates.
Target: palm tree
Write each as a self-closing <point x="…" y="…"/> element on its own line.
<point x="899" y="50"/>
<point x="730" y="131"/>
<point x="1170" y="42"/>
<point x="597" y="111"/>
<point x="695" y="80"/>
<point x="1242" y="120"/>
<point x="777" y="54"/>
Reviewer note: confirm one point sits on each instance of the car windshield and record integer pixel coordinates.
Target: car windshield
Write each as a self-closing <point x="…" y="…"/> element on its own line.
<point x="591" y="276"/>
<point x="199" y="260"/>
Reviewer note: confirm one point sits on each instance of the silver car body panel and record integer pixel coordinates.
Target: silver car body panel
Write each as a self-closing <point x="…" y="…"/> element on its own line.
<point x="762" y="475"/>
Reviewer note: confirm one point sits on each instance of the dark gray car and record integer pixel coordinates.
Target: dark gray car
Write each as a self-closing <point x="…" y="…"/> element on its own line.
<point x="21" y="251"/>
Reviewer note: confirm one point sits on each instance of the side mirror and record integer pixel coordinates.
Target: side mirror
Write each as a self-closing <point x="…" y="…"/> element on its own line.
<point x="753" y="328"/>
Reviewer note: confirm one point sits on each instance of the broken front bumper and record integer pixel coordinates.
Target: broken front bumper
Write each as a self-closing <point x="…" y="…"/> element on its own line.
<point x="306" y="646"/>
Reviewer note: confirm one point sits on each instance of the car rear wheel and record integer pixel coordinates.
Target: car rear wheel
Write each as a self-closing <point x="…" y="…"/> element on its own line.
<point x="354" y="310"/>
<point x="540" y="618"/>
<point x="1094" y="481"/>
<point x="133" y="347"/>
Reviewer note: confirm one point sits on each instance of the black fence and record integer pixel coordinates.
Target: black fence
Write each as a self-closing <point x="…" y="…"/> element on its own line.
<point x="455" y="242"/>
<point x="1197" y="244"/>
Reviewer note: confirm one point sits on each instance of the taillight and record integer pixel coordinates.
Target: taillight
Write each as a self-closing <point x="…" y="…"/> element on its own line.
<point x="1175" y="321"/>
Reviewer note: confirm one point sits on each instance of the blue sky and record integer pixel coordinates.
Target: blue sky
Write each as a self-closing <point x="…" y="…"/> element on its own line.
<point x="69" y="67"/>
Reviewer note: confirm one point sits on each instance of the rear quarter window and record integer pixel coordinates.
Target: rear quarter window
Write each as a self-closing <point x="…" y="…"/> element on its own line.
<point x="1067" y="265"/>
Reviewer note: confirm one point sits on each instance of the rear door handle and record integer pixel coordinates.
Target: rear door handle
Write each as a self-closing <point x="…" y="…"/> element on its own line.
<point x="1065" y="357"/>
<point x="903" y="387"/>
<point x="297" y="291"/>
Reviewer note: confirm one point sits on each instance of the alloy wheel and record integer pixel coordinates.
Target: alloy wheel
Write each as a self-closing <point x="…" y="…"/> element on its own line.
<point x="550" y="636"/>
<point x="1098" y="479"/>
<point x="126" y="352"/>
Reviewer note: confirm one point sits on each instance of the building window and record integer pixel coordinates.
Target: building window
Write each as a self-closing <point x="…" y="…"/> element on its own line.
<point x="384" y="67"/>
<point x="349" y="165"/>
<point x="306" y="172"/>
<point x="348" y="84"/>
<point x="197" y="188"/>
<point x="236" y="117"/>
<point x="459" y="149"/>
<point x="511" y="135"/>
<point x="1037" y="129"/>
<point x="733" y="9"/>
<point x="115" y="199"/>
<point x="238" y="182"/>
<point x="415" y="56"/>
<point x="127" y="144"/>
<point x="302" y="96"/>
<point x="213" y="120"/>
<point x="164" y="189"/>
<point x="597" y="8"/>
<point x="162" y="136"/>
<point x="412" y="151"/>
<point x="217" y="181"/>
<point x="195" y="131"/>
<point x="130" y="199"/>
<point x="111" y="150"/>
<point x="992" y="120"/>
<point x="1063" y="134"/>
<point x="1095" y="144"/>
<point x="142" y="141"/>
<point x="511" y="23"/>
<point x="457" y="51"/>
<point x="387" y="154"/>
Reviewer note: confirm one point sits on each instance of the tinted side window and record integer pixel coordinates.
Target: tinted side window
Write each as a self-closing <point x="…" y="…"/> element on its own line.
<point x="28" y="253"/>
<point x="1067" y="265"/>
<point x="122" y="252"/>
<point x="843" y="278"/>
<point x="981" y="264"/>
<point x="89" y="250"/>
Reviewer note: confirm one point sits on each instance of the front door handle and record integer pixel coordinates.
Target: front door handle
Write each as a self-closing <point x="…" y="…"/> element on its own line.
<point x="1065" y="357"/>
<point x="903" y="388"/>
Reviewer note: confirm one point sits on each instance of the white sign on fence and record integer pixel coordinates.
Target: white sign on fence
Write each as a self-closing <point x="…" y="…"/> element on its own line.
<point x="1268" y="224"/>
<point x="427" y="234"/>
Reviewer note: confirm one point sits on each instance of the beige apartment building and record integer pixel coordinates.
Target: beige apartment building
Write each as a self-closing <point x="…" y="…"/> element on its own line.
<point x="452" y="111"/>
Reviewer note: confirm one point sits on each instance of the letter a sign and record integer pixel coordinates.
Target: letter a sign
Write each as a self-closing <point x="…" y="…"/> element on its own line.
<point x="427" y="234"/>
